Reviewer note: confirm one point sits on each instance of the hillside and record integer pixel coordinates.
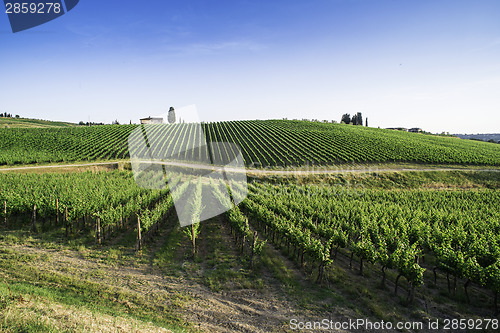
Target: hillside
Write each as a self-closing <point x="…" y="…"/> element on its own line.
<point x="32" y="123"/>
<point x="483" y="137"/>
<point x="266" y="143"/>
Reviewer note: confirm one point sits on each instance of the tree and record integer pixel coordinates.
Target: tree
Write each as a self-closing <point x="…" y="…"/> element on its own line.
<point x="366" y="122"/>
<point x="354" y="119"/>
<point x="357" y="119"/>
<point x="171" y="115"/>
<point x="115" y="122"/>
<point x="346" y="118"/>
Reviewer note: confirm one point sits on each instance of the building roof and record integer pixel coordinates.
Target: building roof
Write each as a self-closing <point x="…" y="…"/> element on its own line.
<point x="151" y="118"/>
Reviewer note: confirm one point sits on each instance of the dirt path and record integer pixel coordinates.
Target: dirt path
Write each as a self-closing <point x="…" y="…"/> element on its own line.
<point x="60" y="166"/>
<point x="264" y="172"/>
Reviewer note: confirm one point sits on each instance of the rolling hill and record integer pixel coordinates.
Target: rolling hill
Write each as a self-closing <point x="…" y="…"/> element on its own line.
<point x="264" y="143"/>
<point x="32" y="123"/>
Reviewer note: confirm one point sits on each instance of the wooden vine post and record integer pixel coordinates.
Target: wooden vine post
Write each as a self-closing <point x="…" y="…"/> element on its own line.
<point x="139" y="238"/>
<point x="193" y="232"/>
<point x="5" y="212"/>
<point x="121" y="218"/>
<point x="34" y="219"/>
<point x="98" y="233"/>
<point x="66" y="221"/>
<point x="254" y="240"/>
<point x="57" y="211"/>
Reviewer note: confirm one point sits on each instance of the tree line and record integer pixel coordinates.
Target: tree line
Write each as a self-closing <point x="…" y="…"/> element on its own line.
<point x="7" y="115"/>
<point x="356" y="119"/>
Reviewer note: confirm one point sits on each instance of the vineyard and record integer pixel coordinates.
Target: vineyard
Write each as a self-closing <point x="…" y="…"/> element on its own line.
<point x="460" y="231"/>
<point x="96" y="205"/>
<point x="455" y="234"/>
<point x="414" y="237"/>
<point x="270" y="143"/>
<point x="32" y="123"/>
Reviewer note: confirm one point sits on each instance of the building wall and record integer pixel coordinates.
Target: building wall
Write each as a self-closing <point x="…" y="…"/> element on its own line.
<point x="152" y="121"/>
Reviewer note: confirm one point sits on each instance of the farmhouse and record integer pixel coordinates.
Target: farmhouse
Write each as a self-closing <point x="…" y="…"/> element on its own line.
<point x="398" y="129"/>
<point x="151" y="120"/>
<point x="415" y="130"/>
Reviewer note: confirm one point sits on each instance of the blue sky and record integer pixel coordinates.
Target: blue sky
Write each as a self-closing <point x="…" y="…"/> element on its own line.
<point x="429" y="64"/>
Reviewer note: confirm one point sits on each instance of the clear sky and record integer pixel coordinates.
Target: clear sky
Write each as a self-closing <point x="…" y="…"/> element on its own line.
<point x="429" y="64"/>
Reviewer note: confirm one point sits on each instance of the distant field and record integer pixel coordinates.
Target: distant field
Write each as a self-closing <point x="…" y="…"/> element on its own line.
<point x="31" y="123"/>
<point x="269" y="143"/>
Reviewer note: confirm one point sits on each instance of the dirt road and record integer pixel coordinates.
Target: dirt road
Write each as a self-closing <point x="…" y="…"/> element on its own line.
<point x="266" y="172"/>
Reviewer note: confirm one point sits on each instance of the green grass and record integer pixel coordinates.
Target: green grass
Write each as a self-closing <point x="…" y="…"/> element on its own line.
<point x="372" y="178"/>
<point x="66" y="290"/>
<point x="75" y="292"/>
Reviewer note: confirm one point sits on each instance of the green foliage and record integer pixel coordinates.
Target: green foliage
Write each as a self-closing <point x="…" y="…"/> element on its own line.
<point x="392" y="228"/>
<point x="37" y="145"/>
<point x="107" y="195"/>
<point x="193" y="230"/>
<point x="346" y="118"/>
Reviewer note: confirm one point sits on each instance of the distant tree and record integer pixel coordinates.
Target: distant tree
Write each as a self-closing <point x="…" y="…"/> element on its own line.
<point x="359" y="119"/>
<point x="171" y="115"/>
<point x="17" y="116"/>
<point x="366" y="122"/>
<point x="346" y="118"/>
<point x="81" y="123"/>
<point x="115" y="122"/>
